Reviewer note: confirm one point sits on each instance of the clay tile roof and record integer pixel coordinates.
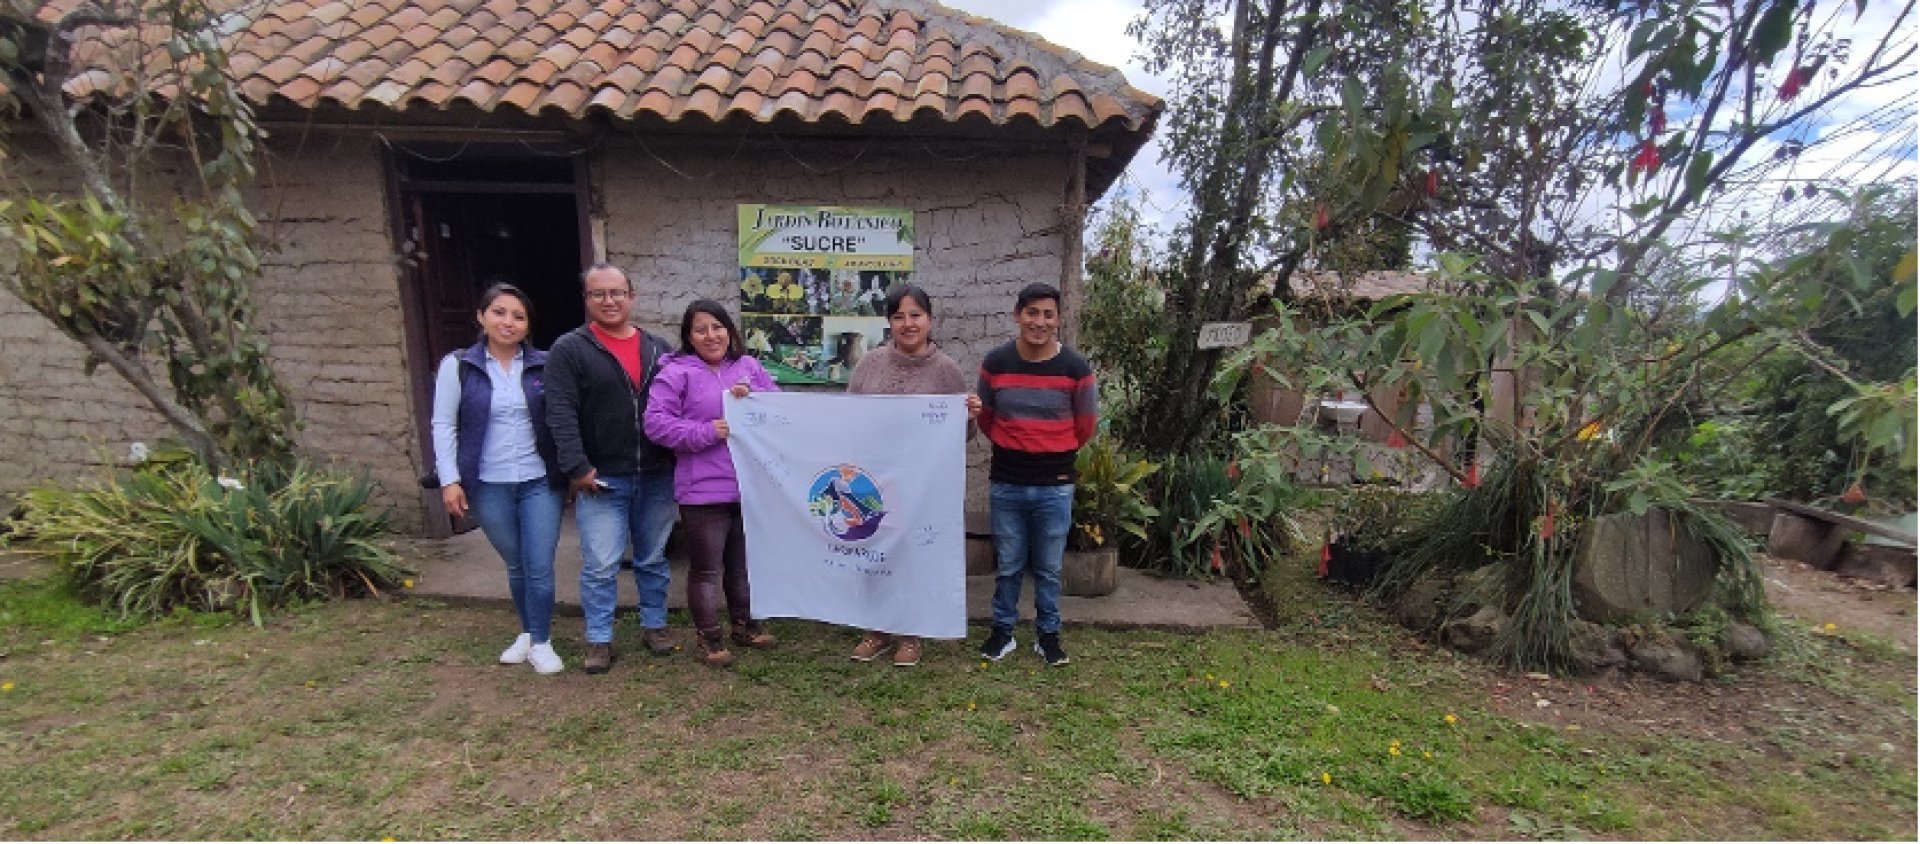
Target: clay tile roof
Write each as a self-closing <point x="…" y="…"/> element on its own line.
<point x="854" y="60"/>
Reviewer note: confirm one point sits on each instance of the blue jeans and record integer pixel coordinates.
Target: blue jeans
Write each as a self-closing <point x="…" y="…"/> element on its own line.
<point x="1030" y="526"/>
<point x="638" y="508"/>
<point x="523" y="522"/>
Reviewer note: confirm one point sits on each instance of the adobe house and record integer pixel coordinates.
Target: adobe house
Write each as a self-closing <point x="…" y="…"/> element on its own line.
<point x="418" y="148"/>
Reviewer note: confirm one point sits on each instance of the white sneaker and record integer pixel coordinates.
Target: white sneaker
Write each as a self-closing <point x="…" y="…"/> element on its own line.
<point x="516" y="653"/>
<point x="544" y="660"/>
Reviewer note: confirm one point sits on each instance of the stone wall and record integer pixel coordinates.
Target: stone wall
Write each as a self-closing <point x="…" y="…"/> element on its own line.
<point x="985" y="226"/>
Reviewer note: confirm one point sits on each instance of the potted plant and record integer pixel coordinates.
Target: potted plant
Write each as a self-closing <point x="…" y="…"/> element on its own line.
<point x="1107" y="502"/>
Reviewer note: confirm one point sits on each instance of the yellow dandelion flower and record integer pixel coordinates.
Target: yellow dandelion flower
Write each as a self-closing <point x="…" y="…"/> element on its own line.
<point x="1452" y="719"/>
<point x="1393" y="750"/>
<point x="7" y="686"/>
<point x="1828" y="627"/>
<point x="1326" y="778"/>
<point x="970" y="706"/>
<point x="405" y="584"/>
<point x="1224" y="684"/>
<point x="1426" y="754"/>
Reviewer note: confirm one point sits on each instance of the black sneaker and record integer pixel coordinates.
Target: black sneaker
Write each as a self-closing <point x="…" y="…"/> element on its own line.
<point x="1049" y="649"/>
<point x="999" y="643"/>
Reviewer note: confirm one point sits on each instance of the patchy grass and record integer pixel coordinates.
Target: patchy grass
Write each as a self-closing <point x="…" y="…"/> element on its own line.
<point x="371" y="719"/>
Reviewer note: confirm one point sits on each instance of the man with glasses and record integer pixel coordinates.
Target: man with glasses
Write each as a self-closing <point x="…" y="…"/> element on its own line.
<point x="621" y="482"/>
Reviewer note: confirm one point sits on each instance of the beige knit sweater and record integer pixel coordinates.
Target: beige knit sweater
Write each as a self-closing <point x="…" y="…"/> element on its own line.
<point x="885" y="371"/>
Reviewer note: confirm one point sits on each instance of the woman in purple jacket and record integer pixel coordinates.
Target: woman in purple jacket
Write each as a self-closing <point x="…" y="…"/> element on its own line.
<point x="684" y="413"/>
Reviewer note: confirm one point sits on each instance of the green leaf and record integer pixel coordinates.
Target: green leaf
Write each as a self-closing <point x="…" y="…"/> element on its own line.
<point x="1315" y="58"/>
<point x="1697" y="169"/>
<point x="1773" y="31"/>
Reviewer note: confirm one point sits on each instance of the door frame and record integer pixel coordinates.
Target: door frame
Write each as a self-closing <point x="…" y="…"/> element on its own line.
<point x="404" y="191"/>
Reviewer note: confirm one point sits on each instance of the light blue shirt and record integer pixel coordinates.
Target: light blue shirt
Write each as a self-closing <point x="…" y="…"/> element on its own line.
<point x="508" y="455"/>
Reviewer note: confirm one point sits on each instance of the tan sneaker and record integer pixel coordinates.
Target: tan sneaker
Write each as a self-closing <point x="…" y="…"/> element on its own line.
<point x="871" y="645"/>
<point x="908" y="654"/>
<point x="749" y="634"/>
<point x="713" y="650"/>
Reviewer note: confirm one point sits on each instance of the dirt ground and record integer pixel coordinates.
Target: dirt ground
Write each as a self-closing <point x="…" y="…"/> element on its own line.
<point x="1822" y="597"/>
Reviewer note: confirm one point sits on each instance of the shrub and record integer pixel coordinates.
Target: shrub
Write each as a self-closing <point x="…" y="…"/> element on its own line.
<point x="1108" y="498"/>
<point x="173" y="536"/>
<point x="1227" y="516"/>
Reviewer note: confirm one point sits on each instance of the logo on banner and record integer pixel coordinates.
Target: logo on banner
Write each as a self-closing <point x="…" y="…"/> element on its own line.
<point x="847" y="503"/>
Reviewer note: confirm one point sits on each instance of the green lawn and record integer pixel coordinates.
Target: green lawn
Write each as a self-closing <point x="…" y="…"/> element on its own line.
<point x="365" y="720"/>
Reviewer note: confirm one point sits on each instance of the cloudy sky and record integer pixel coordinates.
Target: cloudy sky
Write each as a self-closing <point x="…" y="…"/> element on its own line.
<point x="1097" y="30"/>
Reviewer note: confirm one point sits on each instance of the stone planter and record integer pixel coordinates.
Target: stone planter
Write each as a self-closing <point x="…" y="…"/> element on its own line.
<point x="1089" y="574"/>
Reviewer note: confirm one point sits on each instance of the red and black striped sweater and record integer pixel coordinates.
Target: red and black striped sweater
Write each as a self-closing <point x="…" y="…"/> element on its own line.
<point x="1037" y="414"/>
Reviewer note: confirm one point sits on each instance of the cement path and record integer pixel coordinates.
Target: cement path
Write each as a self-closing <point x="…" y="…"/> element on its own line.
<point x="466" y="569"/>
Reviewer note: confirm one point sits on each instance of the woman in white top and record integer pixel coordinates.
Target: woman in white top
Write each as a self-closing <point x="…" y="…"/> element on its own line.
<point x="494" y="455"/>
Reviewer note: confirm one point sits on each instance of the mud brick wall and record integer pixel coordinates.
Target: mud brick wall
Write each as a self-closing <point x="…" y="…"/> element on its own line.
<point x="985" y="224"/>
<point x="328" y="301"/>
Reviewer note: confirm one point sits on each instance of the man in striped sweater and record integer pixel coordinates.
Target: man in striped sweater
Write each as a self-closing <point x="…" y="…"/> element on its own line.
<point x="1036" y="400"/>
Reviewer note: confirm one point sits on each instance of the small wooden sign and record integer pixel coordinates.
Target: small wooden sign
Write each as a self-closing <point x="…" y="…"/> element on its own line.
<point x="1221" y="335"/>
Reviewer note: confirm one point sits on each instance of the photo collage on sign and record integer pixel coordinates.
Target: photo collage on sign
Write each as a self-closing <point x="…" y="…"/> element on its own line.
<point x="810" y="326"/>
<point x="813" y="285"/>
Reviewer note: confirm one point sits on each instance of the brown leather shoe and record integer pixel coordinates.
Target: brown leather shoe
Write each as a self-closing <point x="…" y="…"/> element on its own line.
<point x="713" y="650"/>
<point x="749" y="634"/>
<point x="599" y="657"/>
<point x="908" y="654"/>
<point x="659" y="641"/>
<point x="871" y="646"/>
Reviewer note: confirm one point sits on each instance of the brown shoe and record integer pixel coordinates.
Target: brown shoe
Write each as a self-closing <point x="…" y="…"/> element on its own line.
<point x="750" y="635"/>
<point x="713" y="650"/>
<point x="871" y="645"/>
<point x="659" y="641"/>
<point x="908" y="654"/>
<point x="599" y="657"/>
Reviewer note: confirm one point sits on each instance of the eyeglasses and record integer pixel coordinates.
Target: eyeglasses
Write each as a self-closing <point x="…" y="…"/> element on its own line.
<point x="607" y="295"/>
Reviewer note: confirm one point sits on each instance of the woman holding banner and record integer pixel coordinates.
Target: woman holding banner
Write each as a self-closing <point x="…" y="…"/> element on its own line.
<point x="684" y="413"/>
<point x="909" y="365"/>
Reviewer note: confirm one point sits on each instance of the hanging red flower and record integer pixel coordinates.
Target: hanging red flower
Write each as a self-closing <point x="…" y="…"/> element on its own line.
<point x="1797" y="79"/>
<point x="1233" y="470"/>
<point x="1473" y="476"/>
<point x="1854" y="494"/>
<point x="1321" y="220"/>
<point x="1244" y="527"/>
<point x="1433" y="183"/>
<point x="1546" y="524"/>
<point x="1326" y="557"/>
<point x="1219" y="565"/>
<point x="1394" y="440"/>
<point x="1647" y="159"/>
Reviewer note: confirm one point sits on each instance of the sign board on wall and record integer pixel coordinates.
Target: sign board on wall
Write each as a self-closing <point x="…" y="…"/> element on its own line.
<point x="813" y="283"/>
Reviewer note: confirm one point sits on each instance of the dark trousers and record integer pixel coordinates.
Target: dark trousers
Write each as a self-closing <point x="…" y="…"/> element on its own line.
<point x="717" y="546"/>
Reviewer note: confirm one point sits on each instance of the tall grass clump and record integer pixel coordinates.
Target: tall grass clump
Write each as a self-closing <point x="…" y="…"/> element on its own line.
<point x="1529" y="520"/>
<point x="147" y="541"/>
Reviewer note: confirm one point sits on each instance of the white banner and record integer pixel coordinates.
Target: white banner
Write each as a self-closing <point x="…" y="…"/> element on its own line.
<point x="853" y="508"/>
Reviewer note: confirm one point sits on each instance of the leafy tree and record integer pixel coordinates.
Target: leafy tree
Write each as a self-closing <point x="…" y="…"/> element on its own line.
<point x="1609" y="342"/>
<point x="141" y="260"/>
<point x="1293" y="122"/>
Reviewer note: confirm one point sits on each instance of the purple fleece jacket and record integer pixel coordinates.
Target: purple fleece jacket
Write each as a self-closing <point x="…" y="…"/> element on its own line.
<point x="681" y="407"/>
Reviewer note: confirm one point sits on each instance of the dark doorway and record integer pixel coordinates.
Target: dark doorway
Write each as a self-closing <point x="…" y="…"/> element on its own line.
<point x="474" y="239"/>
<point x="466" y="217"/>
